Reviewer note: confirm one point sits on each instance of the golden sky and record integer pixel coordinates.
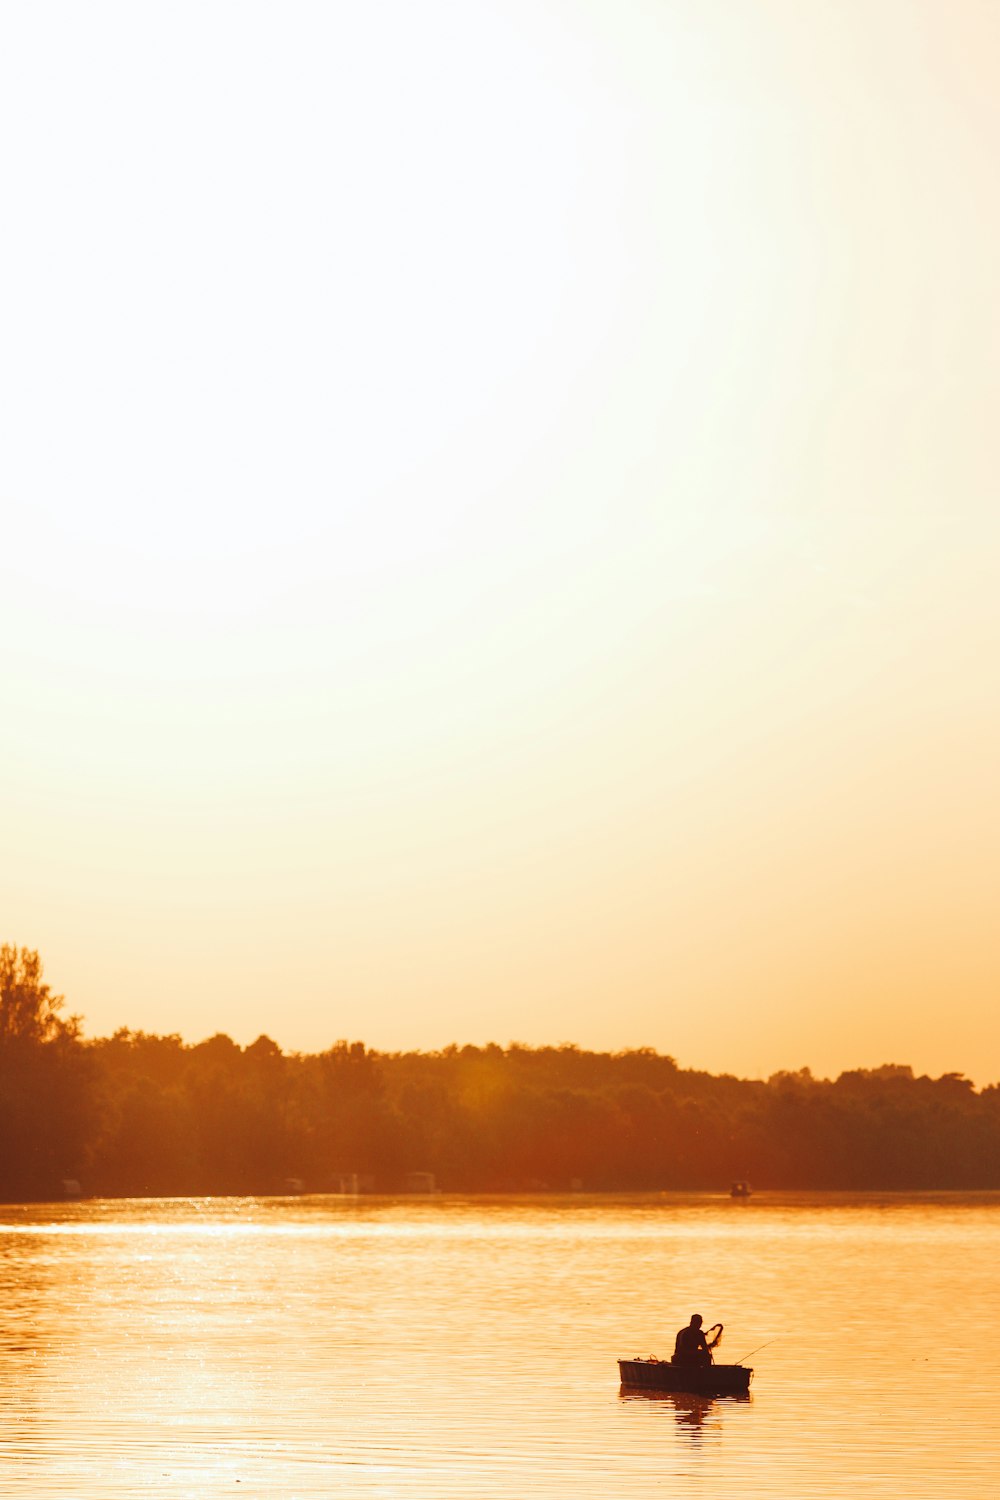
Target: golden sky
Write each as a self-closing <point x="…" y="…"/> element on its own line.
<point x="500" y="523"/>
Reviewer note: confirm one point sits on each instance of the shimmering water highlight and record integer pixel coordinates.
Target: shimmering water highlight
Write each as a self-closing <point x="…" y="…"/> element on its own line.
<point x="447" y="1347"/>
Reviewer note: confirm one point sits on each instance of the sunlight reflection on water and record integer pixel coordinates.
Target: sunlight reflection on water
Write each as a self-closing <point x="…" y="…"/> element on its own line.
<point x="467" y="1347"/>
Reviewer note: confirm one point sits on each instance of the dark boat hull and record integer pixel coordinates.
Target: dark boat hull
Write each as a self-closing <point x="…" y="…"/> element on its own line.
<point x="698" y="1380"/>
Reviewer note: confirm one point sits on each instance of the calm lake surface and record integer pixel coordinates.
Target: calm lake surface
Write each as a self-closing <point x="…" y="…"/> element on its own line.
<point x="467" y="1346"/>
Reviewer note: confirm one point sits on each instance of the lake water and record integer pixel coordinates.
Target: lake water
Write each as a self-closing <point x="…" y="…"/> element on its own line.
<point x="467" y="1347"/>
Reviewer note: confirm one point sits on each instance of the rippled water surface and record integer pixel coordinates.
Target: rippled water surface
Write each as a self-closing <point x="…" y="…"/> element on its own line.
<point x="467" y="1347"/>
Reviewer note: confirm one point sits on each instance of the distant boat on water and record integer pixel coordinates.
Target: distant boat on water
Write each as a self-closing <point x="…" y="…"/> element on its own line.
<point x="697" y="1380"/>
<point x="740" y="1189"/>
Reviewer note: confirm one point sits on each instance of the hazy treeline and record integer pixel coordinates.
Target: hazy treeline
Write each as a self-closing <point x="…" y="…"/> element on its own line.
<point x="141" y="1114"/>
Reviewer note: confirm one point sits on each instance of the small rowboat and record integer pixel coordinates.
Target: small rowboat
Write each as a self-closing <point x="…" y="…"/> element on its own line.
<point x="698" y="1380"/>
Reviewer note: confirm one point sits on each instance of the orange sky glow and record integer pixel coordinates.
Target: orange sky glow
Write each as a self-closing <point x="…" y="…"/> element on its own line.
<point x="500" y="524"/>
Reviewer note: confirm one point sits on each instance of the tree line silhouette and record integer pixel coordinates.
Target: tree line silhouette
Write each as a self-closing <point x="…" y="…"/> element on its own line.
<point x="138" y="1114"/>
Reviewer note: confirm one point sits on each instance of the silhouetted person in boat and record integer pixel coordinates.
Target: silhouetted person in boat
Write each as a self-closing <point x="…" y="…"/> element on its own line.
<point x="692" y="1347"/>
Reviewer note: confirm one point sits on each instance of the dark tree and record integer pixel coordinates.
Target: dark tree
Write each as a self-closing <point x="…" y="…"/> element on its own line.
<point x="46" y="1093"/>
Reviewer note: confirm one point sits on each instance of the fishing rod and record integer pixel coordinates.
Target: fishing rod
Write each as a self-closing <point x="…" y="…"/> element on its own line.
<point x="756" y="1351"/>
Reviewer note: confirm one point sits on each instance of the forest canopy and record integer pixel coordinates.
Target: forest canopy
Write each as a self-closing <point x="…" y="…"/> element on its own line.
<point x="139" y="1114"/>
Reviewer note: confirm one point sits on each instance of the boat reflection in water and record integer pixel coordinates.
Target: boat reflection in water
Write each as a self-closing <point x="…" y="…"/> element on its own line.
<point x="690" y="1412"/>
